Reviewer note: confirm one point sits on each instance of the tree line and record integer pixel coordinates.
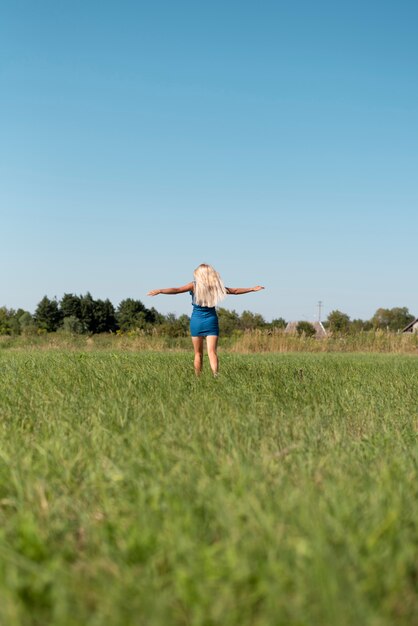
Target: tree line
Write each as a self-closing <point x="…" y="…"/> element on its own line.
<point x="82" y="314"/>
<point x="339" y="323"/>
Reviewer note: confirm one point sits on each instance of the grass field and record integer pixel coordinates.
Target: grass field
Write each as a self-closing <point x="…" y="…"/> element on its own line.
<point x="255" y="341"/>
<point x="285" y="492"/>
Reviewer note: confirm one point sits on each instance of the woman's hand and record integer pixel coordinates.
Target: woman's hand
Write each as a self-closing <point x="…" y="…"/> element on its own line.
<point x="154" y="292"/>
<point x="258" y="288"/>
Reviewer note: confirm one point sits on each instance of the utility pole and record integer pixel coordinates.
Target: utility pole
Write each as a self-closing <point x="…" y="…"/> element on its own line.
<point x="320" y="303"/>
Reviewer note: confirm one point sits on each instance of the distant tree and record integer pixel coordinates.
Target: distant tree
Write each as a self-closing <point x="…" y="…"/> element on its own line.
<point x="131" y="314"/>
<point x="153" y="317"/>
<point x="251" y="321"/>
<point x="392" y="319"/>
<point x="27" y="324"/>
<point x="358" y="325"/>
<point x="401" y="317"/>
<point x="338" y="322"/>
<point x="170" y="318"/>
<point x="10" y="320"/>
<point x="70" y="306"/>
<point x="174" y="326"/>
<point x="382" y="319"/>
<point x="184" y="323"/>
<point x="25" y="319"/>
<point x="87" y="316"/>
<point x="279" y="322"/>
<point x="305" y="328"/>
<point x="94" y="316"/>
<point x="228" y="321"/>
<point x="104" y="316"/>
<point x="47" y="315"/>
<point x="14" y="321"/>
<point x="73" y="325"/>
<point x="5" y="328"/>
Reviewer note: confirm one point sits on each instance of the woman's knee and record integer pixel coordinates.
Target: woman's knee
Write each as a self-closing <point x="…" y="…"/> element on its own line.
<point x="197" y="346"/>
<point x="212" y="351"/>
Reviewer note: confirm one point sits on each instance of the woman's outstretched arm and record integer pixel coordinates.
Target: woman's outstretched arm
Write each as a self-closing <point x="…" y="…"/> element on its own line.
<point x="238" y="291"/>
<point x="172" y="291"/>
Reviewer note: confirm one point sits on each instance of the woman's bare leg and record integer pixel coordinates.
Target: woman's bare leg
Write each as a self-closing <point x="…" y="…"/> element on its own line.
<point x="198" y="354"/>
<point x="212" y="346"/>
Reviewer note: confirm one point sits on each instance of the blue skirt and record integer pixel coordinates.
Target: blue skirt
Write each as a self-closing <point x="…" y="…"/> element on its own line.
<point x="204" y="323"/>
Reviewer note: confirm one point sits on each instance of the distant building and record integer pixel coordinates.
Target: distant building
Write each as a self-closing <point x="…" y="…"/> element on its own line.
<point x="291" y="328"/>
<point x="412" y="327"/>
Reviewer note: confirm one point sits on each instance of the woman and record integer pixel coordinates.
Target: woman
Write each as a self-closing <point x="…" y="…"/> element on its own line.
<point x="207" y="290"/>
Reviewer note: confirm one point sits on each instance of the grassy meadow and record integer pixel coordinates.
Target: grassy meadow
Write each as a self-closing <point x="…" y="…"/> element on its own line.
<point x="240" y="342"/>
<point x="285" y="492"/>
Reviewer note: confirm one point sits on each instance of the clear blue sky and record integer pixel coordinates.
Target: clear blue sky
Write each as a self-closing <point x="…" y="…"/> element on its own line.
<point x="274" y="140"/>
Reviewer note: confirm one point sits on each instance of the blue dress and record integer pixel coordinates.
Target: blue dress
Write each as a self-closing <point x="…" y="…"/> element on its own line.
<point x="204" y="320"/>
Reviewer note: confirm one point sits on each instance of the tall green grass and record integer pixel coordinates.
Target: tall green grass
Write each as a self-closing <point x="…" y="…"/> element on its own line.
<point x="240" y="342"/>
<point x="283" y="492"/>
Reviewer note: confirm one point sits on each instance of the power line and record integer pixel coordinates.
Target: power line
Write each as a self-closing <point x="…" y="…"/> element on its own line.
<point x="320" y="303"/>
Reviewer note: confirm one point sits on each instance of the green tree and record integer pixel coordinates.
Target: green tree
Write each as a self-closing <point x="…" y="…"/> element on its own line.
<point x="401" y="317"/>
<point x="94" y="316"/>
<point x="48" y="315"/>
<point x="70" y="306"/>
<point x="279" y="322"/>
<point x="73" y="325"/>
<point x="27" y="324"/>
<point x="131" y="314"/>
<point x="338" y="322"/>
<point x="358" y="325"/>
<point x="382" y="319"/>
<point x="5" y="328"/>
<point x="104" y="316"/>
<point x="10" y="320"/>
<point x="175" y="326"/>
<point x="305" y="328"/>
<point x="228" y="321"/>
<point x="25" y="319"/>
<point x="392" y="319"/>
<point x="14" y="321"/>
<point x="87" y="316"/>
<point x="153" y="317"/>
<point x="251" y="321"/>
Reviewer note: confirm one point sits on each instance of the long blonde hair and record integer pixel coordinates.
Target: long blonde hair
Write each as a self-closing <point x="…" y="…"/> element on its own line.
<point x="209" y="288"/>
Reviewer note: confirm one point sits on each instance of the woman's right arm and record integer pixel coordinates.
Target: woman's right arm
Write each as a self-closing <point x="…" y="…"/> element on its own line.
<point x="171" y="291"/>
<point x="238" y="291"/>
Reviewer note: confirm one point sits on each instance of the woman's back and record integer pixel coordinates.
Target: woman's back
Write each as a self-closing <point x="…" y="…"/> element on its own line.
<point x="198" y="308"/>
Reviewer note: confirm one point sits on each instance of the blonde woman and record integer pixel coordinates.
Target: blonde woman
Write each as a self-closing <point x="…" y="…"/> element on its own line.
<point x="207" y="290"/>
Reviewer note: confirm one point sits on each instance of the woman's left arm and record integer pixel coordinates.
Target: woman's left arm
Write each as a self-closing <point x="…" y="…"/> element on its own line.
<point x="238" y="291"/>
